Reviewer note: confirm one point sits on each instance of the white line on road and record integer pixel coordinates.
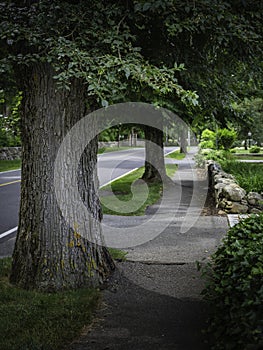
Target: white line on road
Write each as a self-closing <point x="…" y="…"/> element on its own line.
<point x="2" y="235"/>
<point x="119" y="177"/>
<point x="8" y="171"/>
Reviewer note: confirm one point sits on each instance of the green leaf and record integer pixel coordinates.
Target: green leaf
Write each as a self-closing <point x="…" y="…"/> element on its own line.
<point x="146" y="6"/>
<point x="104" y="103"/>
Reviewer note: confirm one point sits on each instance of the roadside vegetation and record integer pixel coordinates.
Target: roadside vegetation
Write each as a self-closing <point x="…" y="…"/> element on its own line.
<point x="248" y="175"/>
<point x="248" y="157"/>
<point x="41" y="321"/>
<point x="253" y="149"/>
<point x="6" y="165"/>
<point x="117" y="198"/>
<point x="114" y="149"/>
<point x="235" y="288"/>
<point x="176" y="155"/>
<point x="117" y="254"/>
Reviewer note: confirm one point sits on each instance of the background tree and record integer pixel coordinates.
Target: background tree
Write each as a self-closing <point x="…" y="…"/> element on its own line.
<point x="219" y="43"/>
<point x="252" y="111"/>
<point x="68" y="59"/>
<point x="10" y="119"/>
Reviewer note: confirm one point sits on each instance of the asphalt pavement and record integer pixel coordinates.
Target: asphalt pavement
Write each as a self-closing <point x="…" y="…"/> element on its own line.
<point x="153" y="300"/>
<point x="111" y="165"/>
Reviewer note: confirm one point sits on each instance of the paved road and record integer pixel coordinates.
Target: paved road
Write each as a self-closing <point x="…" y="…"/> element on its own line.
<point x="110" y="166"/>
<point x="9" y="199"/>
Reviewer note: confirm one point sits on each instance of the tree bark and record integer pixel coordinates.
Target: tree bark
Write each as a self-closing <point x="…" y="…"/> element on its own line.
<point x="183" y="140"/>
<point x="154" y="156"/>
<point x="49" y="255"/>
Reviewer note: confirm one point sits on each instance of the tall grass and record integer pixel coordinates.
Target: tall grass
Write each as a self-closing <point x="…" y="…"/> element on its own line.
<point x="248" y="175"/>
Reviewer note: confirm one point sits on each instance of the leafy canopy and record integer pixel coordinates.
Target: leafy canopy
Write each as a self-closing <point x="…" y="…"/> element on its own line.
<point x="219" y="42"/>
<point x="90" y="41"/>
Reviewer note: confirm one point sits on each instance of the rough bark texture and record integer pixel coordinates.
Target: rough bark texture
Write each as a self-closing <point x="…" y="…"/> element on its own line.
<point x="154" y="158"/>
<point x="183" y="140"/>
<point x="49" y="255"/>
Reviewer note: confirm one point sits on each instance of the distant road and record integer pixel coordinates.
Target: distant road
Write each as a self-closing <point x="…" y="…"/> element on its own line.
<point x="9" y="199"/>
<point x="111" y="165"/>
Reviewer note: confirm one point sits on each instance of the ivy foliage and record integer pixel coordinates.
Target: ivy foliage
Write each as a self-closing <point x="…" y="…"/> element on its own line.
<point x="235" y="288"/>
<point x="90" y="41"/>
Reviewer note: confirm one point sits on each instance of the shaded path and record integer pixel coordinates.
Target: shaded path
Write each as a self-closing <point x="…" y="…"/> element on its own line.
<point x="153" y="300"/>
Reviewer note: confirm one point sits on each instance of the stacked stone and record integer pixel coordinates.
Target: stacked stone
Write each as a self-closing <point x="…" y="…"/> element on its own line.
<point x="229" y="196"/>
<point x="10" y="153"/>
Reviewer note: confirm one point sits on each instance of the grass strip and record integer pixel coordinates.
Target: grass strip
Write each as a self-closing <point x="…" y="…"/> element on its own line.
<point x="34" y="320"/>
<point x="243" y="151"/>
<point x="6" y="165"/>
<point x="247" y="157"/>
<point x="115" y="149"/>
<point x="176" y="155"/>
<point x="117" y="198"/>
<point x="117" y="254"/>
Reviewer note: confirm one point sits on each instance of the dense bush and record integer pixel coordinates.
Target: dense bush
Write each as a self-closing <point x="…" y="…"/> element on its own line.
<point x="211" y="154"/>
<point x="254" y="149"/>
<point x="222" y="139"/>
<point x="235" y="288"/>
<point x="208" y="139"/>
<point x="207" y="144"/>
<point x="226" y="138"/>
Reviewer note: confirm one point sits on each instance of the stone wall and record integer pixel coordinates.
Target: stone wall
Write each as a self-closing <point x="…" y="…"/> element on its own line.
<point x="229" y="196"/>
<point x="10" y="153"/>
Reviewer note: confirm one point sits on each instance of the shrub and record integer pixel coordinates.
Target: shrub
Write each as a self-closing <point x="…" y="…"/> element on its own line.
<point x="219" y="155"/>
<point x="208" y="139"/>
<point x="254" y="149"/>
<point x="208" y="135"/>
<point x="206" y="144"/>
<point x="226" y="138"/>
<point x="235" y="287"/>
<point x="200" y="160"/>
<point x="211" y="154"/>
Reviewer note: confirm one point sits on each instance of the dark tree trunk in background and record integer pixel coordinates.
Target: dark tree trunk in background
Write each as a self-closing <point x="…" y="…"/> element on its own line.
<point x="154" y="156"/>
<point x="49" y="255"/>
<point x="183" y="140"/>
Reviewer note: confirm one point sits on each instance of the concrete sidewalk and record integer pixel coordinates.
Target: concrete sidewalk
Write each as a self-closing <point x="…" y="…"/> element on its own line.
<point x="153" y="300"/>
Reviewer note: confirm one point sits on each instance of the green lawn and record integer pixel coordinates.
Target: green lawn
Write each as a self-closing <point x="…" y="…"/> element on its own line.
<point x="249" y="157"/>
<point x="243" y="150"/>
<point x="6" y="165"/>
<point x="123" y="202"/>
<point x="114" y="149"/>
<point x="176" y="155"/>
<point x="41" y="321"/>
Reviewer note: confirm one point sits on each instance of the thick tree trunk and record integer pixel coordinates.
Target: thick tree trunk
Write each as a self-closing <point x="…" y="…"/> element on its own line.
<point x="183" y="140"/>
<point x="49" y="255"/>
<point x="154" y="156"/>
